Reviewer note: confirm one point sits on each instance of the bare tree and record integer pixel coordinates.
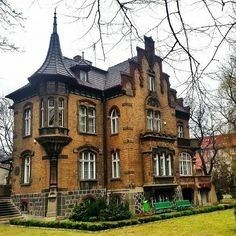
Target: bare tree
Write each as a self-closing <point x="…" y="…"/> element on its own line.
<point x="185" y="30"/>
<point x="227" y="93"/>
<point x="204" y="128"/>
<point x="6" y="127"/>
<point x="9" y="18"/>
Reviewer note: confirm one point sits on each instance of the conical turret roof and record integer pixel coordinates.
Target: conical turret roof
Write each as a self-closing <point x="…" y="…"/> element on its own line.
<point x="54" y="63"/>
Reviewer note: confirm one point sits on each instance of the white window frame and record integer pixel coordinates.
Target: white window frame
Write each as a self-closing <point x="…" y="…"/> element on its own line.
<point x="157" y="121"/>
<point x="150" y="120"/>
<point x="115" y="165"/>
<point x="27" y="169"/>
<point x="27" y="121"/>
<point x="153" y="120"/>
<point x="156" y="165"/>
<point x="162" y="165"/>
<point x="42" y="113"/>
<point x="87" y="119"/>
<point x="185" y="164"/>
<point x="88" y="160"/>
<point x="114" y="121"/>
<point x="151" y="83"/>
<point x="51" y="108"/>
<point x="180" y="131"/>
<point x="91" y="120"/>
<point x="61" y="111"/>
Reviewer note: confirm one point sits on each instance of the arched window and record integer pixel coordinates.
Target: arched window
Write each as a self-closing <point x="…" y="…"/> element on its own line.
<point x="61" y="112"/>
<point x="87" y="165"/>
<point x="115" y="165"/>
<point x="114" y="122"/>
<point x="26" y="168"/>
<point x="185" y="164"/>
<point x="51" y="112"/>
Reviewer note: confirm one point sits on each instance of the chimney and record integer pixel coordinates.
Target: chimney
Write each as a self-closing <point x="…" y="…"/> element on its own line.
<point x="149" y="45"/>
<point x="77" y="58"/>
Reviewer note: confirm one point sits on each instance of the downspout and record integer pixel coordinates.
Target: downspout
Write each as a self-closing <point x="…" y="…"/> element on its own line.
<point x="105" y="159"/>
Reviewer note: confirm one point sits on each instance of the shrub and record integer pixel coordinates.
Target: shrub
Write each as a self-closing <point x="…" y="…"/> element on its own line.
<point x="99" y="210"/>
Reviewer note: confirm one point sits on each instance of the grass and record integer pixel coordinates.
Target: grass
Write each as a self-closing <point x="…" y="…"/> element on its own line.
<point x="208" y="224"/>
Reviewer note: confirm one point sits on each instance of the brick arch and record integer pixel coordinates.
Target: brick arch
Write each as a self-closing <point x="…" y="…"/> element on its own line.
<point x="86" y="102"/>
<point x="114" y="107"/>
<point x="27" y="152"/>
<point x="88" y="147"/>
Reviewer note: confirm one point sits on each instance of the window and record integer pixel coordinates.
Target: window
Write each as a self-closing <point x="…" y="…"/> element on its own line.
<point x="87" y="119"/>
<point x="185" y="164"/>
<point x="87" y="166"/>
<point x="51" y="112"/>
<point x="26" y="169"/>
<point x="83" y="75"/>
<point x="180" y="131"/>
<point x="61" y="112"/>
<point x="115" y="165"/>
<point x="153" y="120"/>
<point x="162" y="165"/>
<point x="42" y="113"/>
<point x="114" y="122"/>
<point x="151" y="83"/>
<point x="27" y="122"/>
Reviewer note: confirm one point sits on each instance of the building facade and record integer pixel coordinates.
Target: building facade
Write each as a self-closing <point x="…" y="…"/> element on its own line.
<point x="82" y="132"/>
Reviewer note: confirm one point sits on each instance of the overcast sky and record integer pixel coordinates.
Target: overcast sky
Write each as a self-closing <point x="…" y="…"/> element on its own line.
<point x="33" y="41"/>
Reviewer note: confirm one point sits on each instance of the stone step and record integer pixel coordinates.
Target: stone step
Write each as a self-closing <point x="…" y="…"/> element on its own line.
<point x="10" y="217"/>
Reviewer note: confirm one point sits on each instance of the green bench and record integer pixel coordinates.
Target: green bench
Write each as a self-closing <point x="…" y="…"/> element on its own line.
<point x="182" y="204"/>
<point x="163" y="206"/>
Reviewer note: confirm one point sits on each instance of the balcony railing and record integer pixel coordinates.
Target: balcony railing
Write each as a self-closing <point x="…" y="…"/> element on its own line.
<point x="183" y="142"/>
<point x="53" y="130"/>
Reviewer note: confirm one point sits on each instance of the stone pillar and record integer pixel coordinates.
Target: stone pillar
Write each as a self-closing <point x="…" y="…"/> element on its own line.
<point x="52" y="196"/>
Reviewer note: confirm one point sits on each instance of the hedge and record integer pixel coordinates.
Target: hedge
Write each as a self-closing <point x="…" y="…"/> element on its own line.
<point x="110" y="225"/>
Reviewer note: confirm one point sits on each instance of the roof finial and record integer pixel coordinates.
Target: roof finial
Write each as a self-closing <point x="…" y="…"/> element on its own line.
<point x="55" y="21"/>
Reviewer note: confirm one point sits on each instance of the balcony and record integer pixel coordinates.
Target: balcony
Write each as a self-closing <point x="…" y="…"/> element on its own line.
<point x="53" y="130"/>
<point x="152" y="135"/>
<point x="53" y="139"/>
<point x="187" y="143"/>
<point x="183" y="142"/>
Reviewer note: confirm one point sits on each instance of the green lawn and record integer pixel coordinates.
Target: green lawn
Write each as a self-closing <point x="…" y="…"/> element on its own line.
<point x="220" y="223"/>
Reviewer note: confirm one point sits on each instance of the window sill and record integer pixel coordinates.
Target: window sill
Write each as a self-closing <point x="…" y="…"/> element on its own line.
<point x="163" y="176"/>
<point x="115" y="134"/>
<point x="116" y="179"/>
<point x="27" y="136"/>
<point x="25" y="185"/>
<point x="187" y="175"/>
<point x="84" y="133"/>
<point x="88" y="180"/>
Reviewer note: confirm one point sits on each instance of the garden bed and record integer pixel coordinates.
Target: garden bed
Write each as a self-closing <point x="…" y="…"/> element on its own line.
<point x="97" y="226"/>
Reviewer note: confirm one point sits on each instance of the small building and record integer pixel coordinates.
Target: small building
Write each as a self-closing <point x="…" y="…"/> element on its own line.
<point x="83" y="132"/>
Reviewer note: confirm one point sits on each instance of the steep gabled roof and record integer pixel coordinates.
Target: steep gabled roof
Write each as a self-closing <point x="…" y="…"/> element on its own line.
<point x="54" y="62"/>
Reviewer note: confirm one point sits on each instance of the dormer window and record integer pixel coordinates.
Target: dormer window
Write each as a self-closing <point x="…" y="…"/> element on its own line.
<point x="83" y="75"/>
<point x="151" y="83"/>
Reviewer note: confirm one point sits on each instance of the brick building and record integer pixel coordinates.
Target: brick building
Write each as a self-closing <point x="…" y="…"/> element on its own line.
<point x="84" y="132"/>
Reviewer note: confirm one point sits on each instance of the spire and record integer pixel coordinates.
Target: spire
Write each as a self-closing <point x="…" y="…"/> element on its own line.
<point x="53" y="64"/>
<point x="55" y="21"/>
